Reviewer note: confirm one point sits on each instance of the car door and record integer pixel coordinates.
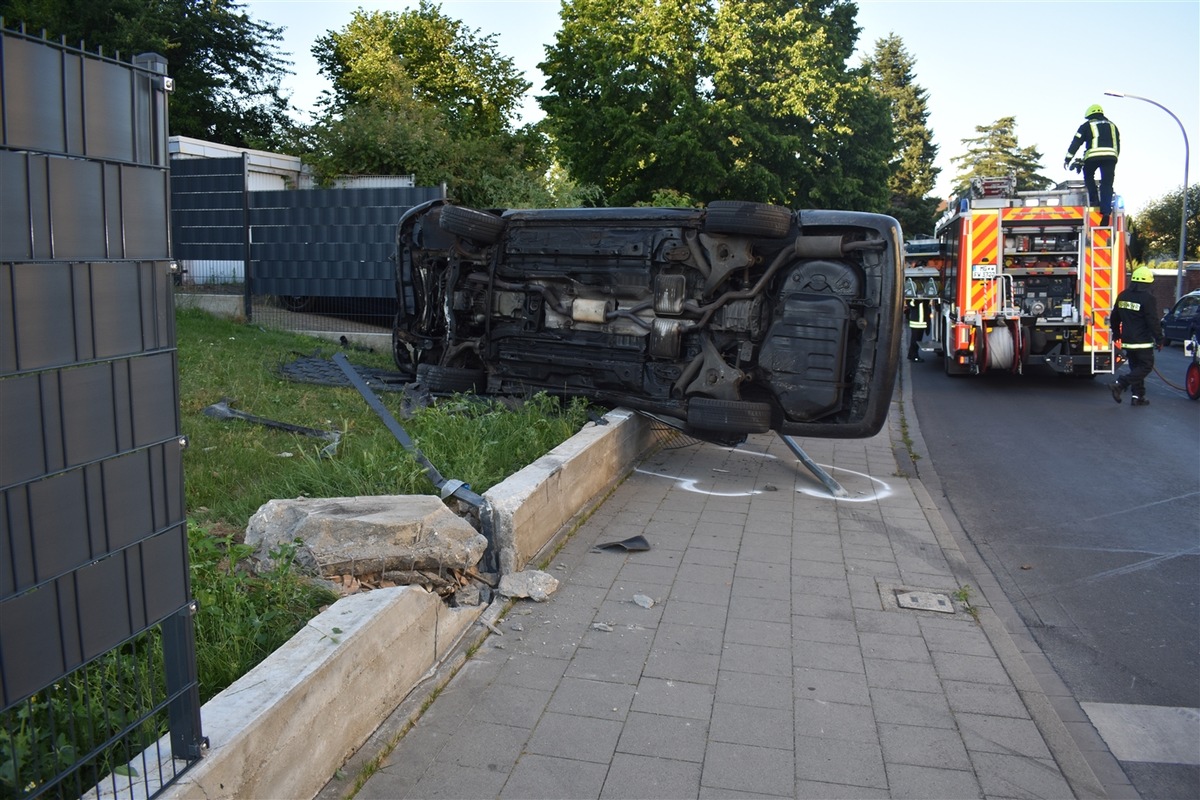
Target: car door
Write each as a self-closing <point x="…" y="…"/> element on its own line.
<point x="1178" y="323"/>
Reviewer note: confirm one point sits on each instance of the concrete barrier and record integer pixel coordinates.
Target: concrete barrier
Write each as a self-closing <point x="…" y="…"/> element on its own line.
<point x="288" y="725"/>
<point x="530" y="507"/>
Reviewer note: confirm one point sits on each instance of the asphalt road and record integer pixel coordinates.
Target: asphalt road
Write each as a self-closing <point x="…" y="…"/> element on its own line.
<point x="1088" y="514"/>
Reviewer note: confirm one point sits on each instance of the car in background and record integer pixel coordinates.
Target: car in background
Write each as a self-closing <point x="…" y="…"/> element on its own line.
<point x="733" y="319"/>
<point x="1182" y="319"/>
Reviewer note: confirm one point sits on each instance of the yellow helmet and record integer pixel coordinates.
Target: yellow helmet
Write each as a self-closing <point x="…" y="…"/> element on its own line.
<point x="1094" y="108"/>
<point x="1142" y="275"/>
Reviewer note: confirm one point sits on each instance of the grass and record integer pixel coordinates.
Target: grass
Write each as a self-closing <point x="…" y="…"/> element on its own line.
<point x="233" y="467"/>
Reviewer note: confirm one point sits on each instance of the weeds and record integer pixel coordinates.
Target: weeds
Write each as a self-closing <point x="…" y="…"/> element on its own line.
<point x="963" y="596"/>
<point x="243" y="617"/>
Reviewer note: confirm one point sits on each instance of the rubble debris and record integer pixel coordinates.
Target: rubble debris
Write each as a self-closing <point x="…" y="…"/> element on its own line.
<point x="531" y="583"/>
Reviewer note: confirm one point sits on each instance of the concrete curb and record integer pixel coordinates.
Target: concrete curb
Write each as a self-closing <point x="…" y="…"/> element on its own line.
<point x="348" y="673"/>
<point x="370" y="647"/>
<point x="998" y="620"/>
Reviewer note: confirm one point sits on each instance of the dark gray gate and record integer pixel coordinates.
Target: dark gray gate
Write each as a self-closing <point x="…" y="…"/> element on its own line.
<point x="97" y="654"/>
<point x="307" y="249"/>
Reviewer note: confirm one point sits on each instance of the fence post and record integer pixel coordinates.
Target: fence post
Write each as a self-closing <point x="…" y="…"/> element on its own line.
<point x="179" y="665"/>
<point x="247" y="264"/>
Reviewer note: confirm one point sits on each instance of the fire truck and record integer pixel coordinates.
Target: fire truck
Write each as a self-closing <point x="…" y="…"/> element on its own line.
<point x="1027" y="278"/>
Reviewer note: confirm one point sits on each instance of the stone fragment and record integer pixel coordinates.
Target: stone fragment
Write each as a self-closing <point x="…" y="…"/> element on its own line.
<point x="643" y="601"/>
<point x="365" y="535"/>
<point x="531" y="583"/>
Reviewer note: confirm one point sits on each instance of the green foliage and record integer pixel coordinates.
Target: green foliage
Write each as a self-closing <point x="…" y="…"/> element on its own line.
<point x="624" y="105"/>
<point x="995" y="153"/>
<point x="669" y="198"/>
<point x="417" y="93"/>
<point x="232" y="467"/>
<point x="442" y="63"/>
<point x="227" y="67"/>
<point x="1158" y="224"/>
<point x="243" y="616"/>
<point x="112" y="698"/>
<point x="710" y="100"/>
<point x="913" y="173"/>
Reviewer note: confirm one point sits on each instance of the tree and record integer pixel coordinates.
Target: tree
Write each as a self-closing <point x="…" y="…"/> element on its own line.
<point x="227" y="67"/>
<point x="709" y="100"/>
<point x="995" y="153"/>
<point x="418" y="93"/>
<point x="913" y="174"/>
<point x="1158" y="226"/>
<point x="440" y="61"/>
<point x="624" y="103"/>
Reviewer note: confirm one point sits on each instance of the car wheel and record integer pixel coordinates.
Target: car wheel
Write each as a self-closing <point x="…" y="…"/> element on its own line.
<point x="1191" y="380"/>
<point x="1166" y="342"/>
<point x="450" y="380"/>
<point x="748" y="219"/>
<point x="478" y="226"/>
<point x="733" y="416"/>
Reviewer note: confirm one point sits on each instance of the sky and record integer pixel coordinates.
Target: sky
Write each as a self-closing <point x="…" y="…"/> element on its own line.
<point x="1041" y="62"/>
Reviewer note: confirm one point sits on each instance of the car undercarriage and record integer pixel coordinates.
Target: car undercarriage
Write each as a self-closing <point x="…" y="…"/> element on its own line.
<point x="734" y="319"/>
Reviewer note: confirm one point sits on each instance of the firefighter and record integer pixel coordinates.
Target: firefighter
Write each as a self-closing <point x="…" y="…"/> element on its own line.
<point x="1135" y="324"/>
<point x="918" y="322"/>
<point x="1102" y="147"/>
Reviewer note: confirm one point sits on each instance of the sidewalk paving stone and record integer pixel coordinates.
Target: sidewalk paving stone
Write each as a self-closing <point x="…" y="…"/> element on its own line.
<point x="768" y="666"/>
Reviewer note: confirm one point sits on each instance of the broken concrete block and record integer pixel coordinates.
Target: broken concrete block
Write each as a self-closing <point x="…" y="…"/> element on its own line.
<point x="365" y="535"/>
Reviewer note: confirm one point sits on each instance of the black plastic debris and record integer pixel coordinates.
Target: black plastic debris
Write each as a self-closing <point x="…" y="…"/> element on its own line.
<point x="633" y="544"/>
<point x="322" y="371"/>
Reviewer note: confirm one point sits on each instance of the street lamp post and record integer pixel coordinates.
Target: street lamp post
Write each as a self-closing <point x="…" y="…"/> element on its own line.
<point x="1183" y="212"/>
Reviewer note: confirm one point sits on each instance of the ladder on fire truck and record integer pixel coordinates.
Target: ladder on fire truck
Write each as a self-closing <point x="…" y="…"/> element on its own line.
<point x="1099" y="281"/>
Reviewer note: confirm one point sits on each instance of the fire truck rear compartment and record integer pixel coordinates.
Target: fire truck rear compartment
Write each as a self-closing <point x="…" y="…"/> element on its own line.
<point x="1045" y="296"/>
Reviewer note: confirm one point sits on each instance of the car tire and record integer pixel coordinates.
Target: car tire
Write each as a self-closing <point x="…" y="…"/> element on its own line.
<point x="451" y="380"/>
<point x="1191" y="381"/>
<point x="747" y="218"/>
<point x="478" y="226"/>
<point x="1166" y="342"/>
<point x="729" y="416"/>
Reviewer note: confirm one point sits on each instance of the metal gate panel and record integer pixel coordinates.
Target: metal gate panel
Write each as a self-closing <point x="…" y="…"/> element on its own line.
<point x="93" y="317"/>
<point x="92" y="519"/>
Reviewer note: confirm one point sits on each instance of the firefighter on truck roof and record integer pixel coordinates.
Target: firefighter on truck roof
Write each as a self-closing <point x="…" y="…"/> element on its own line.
<point x="1102" y="147"/>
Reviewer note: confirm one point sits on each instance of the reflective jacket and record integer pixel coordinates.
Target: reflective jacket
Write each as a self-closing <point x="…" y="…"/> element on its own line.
<point x="1134" y="319"/>
<point x="917" y="310"/>
<point x="1101" y="136"/>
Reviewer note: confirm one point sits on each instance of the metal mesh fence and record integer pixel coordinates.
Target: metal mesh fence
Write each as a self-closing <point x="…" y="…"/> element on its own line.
<point x="100" y="730"/>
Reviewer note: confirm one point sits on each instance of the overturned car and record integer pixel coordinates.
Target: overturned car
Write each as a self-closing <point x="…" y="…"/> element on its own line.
<point x="734" y="319"/>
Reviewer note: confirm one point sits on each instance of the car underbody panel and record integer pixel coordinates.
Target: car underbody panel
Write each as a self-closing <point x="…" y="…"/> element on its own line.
<point x="734" y="319"/>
